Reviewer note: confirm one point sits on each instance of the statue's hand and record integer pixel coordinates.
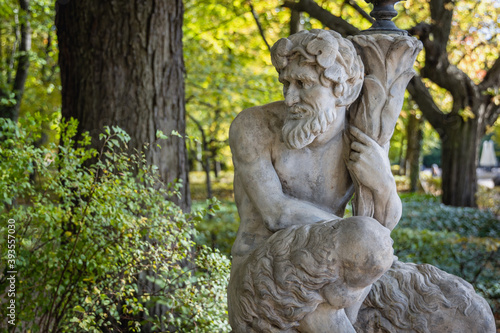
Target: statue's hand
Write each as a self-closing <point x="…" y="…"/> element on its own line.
<point x="368" y="162"/>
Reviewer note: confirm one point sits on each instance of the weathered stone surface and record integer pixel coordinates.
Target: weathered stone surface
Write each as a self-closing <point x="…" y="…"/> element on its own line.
<point x="413" y="298"/>
<point x="301" y="276"/>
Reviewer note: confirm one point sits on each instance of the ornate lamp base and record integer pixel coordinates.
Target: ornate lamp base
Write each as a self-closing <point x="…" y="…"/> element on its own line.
<point x="383" y="12"/>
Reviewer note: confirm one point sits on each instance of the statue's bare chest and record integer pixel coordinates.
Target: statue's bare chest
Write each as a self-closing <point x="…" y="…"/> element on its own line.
<point x="317" y="176"/>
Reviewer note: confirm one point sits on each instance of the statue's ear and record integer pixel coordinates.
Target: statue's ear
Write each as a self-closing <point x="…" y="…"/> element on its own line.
<point x="348" y="93"/>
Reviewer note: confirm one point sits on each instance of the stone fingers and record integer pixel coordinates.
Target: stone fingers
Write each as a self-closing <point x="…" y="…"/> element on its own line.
<point x="354" y="156"/>
<point x="360" y="136"/>
<point x="358" y="147"/>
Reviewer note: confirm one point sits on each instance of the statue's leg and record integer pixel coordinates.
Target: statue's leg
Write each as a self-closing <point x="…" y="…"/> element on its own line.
<point x="352" y="311"/>
<point x="326" y="265"/>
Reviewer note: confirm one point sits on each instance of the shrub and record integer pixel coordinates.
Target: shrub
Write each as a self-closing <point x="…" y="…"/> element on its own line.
<point x="461" y="241"/>
<point x="219" y="231"/>
<point x="98" y="244"/>
<point x="425" y="212"/>
<point x="489" y="198"/>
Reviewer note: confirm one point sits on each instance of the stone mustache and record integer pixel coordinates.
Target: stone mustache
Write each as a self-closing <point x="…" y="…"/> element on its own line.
<point x="298" y="266"/>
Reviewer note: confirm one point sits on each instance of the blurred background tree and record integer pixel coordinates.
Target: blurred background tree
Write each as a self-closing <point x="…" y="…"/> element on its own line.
<point x="29" y="75"/>
<point x="122" y="65"/>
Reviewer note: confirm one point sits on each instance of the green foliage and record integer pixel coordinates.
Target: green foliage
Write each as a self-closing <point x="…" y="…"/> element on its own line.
<point x="219" y="231"/>
<point x="461" y="241"/>
<point x="489" y="198"/>
<point x="42" y="87"/>
<point x="228" y="69"/>
<point x="97" y="241"/>
<point x="426" y="213"/>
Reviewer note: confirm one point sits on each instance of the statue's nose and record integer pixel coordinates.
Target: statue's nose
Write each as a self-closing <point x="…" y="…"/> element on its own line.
<point x="291" y="96"/>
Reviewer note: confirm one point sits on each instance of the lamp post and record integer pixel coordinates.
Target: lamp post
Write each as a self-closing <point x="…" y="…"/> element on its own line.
<point x="383" y="12"/>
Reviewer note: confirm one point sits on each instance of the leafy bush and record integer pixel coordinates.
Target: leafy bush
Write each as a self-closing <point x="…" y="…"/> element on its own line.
<point x="99" y="246"/>
<point x="425" y="212"/>
<point x="489" y="198"/>
<point x="461" y="241"/>
<point x="219" y="231"/>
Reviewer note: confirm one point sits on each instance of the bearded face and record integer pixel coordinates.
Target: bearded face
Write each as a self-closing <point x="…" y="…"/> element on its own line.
<point x="311" y="104"/>
<point x="305" y="122"/>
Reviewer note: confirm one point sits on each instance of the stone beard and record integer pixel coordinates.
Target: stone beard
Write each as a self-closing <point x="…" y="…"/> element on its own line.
<point x="304" y="123"/>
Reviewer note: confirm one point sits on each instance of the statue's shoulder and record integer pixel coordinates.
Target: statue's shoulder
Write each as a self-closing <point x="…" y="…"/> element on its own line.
<point x="257" y="125"/>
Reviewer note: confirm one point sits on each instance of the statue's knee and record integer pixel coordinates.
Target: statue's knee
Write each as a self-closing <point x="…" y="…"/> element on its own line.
<point x="365" y="248"/>
<point x="367" y="232"/>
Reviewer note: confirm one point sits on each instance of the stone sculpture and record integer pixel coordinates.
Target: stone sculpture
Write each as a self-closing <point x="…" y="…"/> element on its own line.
<point x="297" y="265"/>
<point x="306" y="275"/>
<point x="423" y="299"/>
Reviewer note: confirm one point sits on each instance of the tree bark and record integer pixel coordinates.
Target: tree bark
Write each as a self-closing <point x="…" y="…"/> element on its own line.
<point x="414" y="135"/>
<point x="458" y="162"/>
<point x="295" y="25"/>
<point x="122" y="65"/>
<point x="328" y="19"/>
<point x="402" y="160"/>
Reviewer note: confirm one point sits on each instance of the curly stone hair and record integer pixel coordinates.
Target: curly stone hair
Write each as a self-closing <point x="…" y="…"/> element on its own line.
<point x="283" y="278"/>
<point x="408" y="298"/>
<point x="334" y="56"/>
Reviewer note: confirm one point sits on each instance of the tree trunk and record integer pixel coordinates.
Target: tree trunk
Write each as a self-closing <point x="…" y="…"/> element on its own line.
<point x="414" y="135"/>
<point x="121" y="64"/>
<point x="402" y="160"/>
<point x="458" y="161"/>
<point x="217" y="166"/>
<point x="295" y="25"/>
<point x="11" y="111"/>
<point x="206" y="168"/>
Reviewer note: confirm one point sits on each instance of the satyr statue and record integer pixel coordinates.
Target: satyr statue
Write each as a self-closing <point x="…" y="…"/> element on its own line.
<point x="297" y="265"/>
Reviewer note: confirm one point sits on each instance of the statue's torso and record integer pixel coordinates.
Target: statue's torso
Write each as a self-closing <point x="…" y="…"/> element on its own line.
<point x="317" y="175"/>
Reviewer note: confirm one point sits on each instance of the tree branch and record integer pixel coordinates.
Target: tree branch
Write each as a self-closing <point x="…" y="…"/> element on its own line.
<point x="423" y="98"/>
<point x="492" y="113"/>
<point x="324" y="16"/>
<point x="451" y="78"/>
<point x="256" y="17"/>
<point x="202" y="131"/>
<point x="354" y="5"/>
<point x="295" y="25"/>
<point x="442" y="15"/>
<point x="492" y="78"/>
<point x="439" y="69"/>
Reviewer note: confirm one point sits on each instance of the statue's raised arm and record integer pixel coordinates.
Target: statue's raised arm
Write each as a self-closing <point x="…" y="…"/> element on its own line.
<point x="388" y="62"/>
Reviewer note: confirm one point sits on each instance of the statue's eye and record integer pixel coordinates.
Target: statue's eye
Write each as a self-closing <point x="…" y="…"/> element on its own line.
<point x="300" y="83"/>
